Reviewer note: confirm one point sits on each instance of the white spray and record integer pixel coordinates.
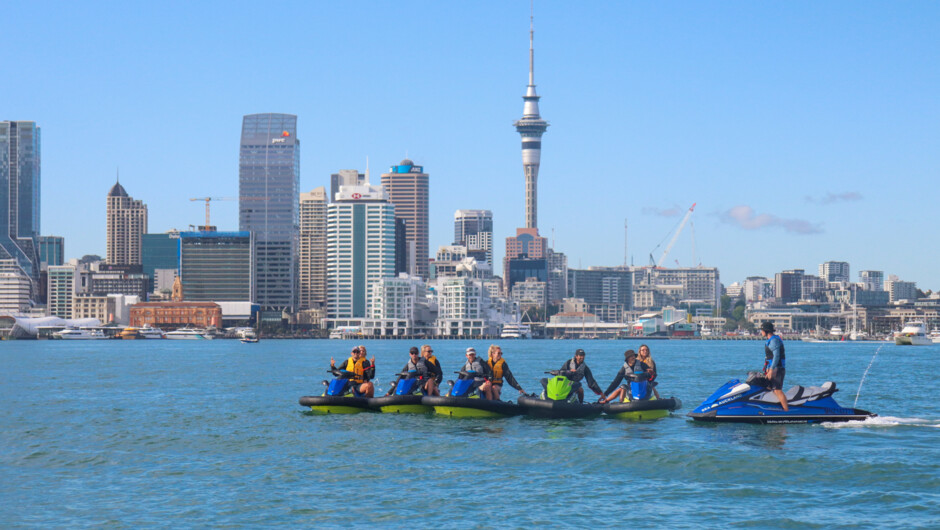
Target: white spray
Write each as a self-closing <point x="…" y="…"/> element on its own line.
<point x="860" y="383"/>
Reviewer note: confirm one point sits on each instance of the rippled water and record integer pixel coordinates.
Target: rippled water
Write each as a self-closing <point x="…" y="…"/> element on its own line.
<point x="187" y="433"/>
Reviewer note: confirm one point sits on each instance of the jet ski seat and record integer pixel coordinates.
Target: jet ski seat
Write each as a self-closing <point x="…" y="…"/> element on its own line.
<point x="799" y="395"/>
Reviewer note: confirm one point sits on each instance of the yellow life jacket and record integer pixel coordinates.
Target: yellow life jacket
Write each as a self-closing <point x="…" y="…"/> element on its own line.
<point x="356" y="367"/>
<point x="497" y="369"/>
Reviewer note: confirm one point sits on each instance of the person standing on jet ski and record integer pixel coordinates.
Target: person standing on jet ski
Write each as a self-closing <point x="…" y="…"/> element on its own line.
<point x="415" y="367"/>
<point x="576" y="369"/>
<point x="432" y="387"/>
<point x="478" y="371"/>
<point x="363" y="371"/>
<point x="499" y="370"/>
<point x="631" y="365"/>
<point x="775" y="363"/>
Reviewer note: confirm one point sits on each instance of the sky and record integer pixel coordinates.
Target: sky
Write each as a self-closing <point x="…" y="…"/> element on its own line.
<point x="803" y="131"/>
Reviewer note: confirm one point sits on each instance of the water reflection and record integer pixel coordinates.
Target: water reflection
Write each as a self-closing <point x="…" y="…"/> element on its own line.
<point x="772" y="437"/>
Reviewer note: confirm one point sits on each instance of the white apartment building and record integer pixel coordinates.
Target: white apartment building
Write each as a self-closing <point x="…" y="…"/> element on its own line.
<point x="399" y="307"/>
<point x="61" y="290"/>
<point x="312" y="266"/>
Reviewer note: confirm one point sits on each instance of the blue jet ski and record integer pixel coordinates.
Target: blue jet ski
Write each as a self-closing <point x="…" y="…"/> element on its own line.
<point x="639" y="403"/>
<point x="752" y="402"/>
<point x="406" y="397"/>
<point x="340" y="396"/>
<point x="465" y="401"/>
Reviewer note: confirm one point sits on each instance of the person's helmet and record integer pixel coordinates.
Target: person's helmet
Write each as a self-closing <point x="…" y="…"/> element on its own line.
<point x="413" y="350"/>
<point x="767" y="327"/>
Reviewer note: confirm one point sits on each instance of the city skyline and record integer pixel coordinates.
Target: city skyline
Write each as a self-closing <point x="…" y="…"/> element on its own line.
<point x="803" y="131"/>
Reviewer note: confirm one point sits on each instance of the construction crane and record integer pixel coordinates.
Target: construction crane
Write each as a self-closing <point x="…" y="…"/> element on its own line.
<point x="209" y="199"/>
<point x="672" y="241"/>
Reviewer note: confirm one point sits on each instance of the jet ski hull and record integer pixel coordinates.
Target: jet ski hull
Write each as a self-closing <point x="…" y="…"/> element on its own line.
<point x="646" y="409"/>
<point x="545" y="408"/>
<point x="335" y="404"/>
<point x="410" y="404"/>
<point x="462" y="407"/>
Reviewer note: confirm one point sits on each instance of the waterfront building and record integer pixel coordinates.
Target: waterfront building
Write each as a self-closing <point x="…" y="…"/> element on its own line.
<point x="462" y="309"/>
<point x="399" y="308"/>
<point x="650" y="296"/>
<point x="216" y="266"/>
<point x="531" y="128"/>
<point x="160" y="259"/>
<point x="758" y="288"/>
<point x="20" y="189"/>
<point x="473" y="229"/>
<point x="454" y="260"/>
<point x="557" y="263"/>
<point x="360" y="246"/>
<point x="872" y="280"/>
<point x="788" y="286"/>
<point x="172" y="315"/>
<point x="346" y="177"/>
<point x="126" y="225"/>
<point x="313" y="248"/>
<point x="15" y="288"/>
<point x="100" y="307"/>
<point x="901" y="290"/>
<point x="268" y="207"/>
<point x="408" y="189"/>
<point x="606" y="291"/>
<point x="699" y="284"/>
<point x="813" y="287"/>
<point x="530" y="293"/>
<point x="115" y="279"/>
<point x="834" y="271"/>
<point x="51" y="250"/>
<point x="61" y="290"/>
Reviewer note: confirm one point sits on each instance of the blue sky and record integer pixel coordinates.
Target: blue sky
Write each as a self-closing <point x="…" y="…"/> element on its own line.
<point x="804" y="131"/>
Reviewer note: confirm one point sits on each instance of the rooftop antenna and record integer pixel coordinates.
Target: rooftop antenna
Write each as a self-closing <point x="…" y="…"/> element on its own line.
<point x="367" y="170"/>
<point x="553" y="238"/>
<point x="624" y="242"/>
<point x="119" y="174"/>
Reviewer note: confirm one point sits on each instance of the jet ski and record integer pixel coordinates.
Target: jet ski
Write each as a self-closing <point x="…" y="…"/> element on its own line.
<point x="752" y="402"/>
<point x="639" y="404"/>
<point x="559" y="399"/>
<point x="464" y="400"/>
<point x="340" y="396"/>
<point x="406" y="397"/>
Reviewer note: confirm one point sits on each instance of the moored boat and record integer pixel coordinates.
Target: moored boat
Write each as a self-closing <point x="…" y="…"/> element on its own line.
<point x="189" y="334"/>
<point x="80" y="334"/>
<point x="912" y="334"/>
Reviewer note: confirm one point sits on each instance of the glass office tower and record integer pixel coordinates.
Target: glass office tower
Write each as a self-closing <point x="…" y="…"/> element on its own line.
<point x="268" y="205"/>
<point x="19" y="195"/>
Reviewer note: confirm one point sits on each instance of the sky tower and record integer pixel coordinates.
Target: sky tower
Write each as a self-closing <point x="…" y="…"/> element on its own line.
<point x="531" y="127"/>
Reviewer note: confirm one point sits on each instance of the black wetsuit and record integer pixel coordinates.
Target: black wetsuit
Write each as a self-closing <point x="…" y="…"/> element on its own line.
<point x="435" y="368"/>
<point x="507" y="376"/>
<point x="577" y="372"/>
<point x="420" y="368"/>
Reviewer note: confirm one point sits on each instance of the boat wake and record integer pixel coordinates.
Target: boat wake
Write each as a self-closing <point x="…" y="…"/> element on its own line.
<point x="884" y="421"/>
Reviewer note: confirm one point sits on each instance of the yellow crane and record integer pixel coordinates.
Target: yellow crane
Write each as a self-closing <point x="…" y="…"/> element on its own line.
<point x="208" y="200"/>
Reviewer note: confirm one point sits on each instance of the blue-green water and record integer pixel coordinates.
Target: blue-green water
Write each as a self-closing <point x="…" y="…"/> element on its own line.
<point x="187" y="433"/>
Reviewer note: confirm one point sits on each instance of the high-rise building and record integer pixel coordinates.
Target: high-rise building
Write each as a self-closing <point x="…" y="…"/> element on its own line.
<point x="531" y="128"/>
<point x="607" y="291"/>
<point x="313" y="249"/>
<point x="15" y="288"/>
<point x="407" y="188"/>
<point x="834" y="271"/>
<point x="899" y="290"/>
<point x="127" y="223"/>
<point x="268" y="206"/>
<point x="873" y="280"/>
<point x="61" y="290"/>
<point x="51" y="250"/>
<point x="216" y="266"/>
<point x="19" y="188"/>
<point x="360" y="242"/>
<point x="160" y="253"/>
<point x="345" y="177"/>
<point x="474" y="229"/>
<point x="526" y="257"/>
<point x="788" y="285"/>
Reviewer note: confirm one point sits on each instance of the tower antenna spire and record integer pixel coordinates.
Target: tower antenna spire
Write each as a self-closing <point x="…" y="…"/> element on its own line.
<point x="531" y="42"/>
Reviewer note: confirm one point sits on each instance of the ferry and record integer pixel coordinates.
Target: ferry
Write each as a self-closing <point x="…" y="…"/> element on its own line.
<point x="148" y="332"/>
<point x="129" y="333"/>
<point x="80" y="334"/>
<point x="913" y="334"/>
<point x="516" y="331"/>
<point x="189" y="334"/>
<point x="346" y="332"/>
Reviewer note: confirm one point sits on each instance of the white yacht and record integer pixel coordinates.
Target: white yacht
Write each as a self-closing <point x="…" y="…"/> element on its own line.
<point x="189" y="334"/>
<point x="934" y="336"/>
<point x="80" y="334"/>
<point x="836" y="331"/>
<point x="913" y="334"/>
<point x="148" y="332"/>
<point x="346" y="332"/>
<point x="516" y="331"/>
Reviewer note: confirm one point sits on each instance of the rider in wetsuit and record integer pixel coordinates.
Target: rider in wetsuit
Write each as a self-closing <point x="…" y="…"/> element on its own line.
<point x="363" y="371"/>
<point x="775" y="362"/>
<point x="500" y="371"/>
<point x="415" y="367"/>
<point x="432" y="387"/>
<point x="477" y="370"/>
<point x="576" y="369"/>
<point x="631" y="365"/>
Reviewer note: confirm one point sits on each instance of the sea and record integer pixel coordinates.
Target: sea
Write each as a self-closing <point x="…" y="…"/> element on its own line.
<point x="164" y="433"/>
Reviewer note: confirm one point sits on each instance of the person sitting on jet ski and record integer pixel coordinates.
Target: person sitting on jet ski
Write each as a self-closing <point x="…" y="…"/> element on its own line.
<point x="415" y="367"/>
<point x="500" y="371"/>
<point x="431" y="388"/>
<point x="647" y="359"/>
<point x="775" y="362"/>
<point x="576" y="369"/>
<point x="362" y="369"/>
<point x="631" y="365"/>
<point x="478" y="371"/>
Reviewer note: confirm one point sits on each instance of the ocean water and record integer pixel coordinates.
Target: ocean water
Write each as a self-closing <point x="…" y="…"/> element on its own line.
<point x="209" y="433"/>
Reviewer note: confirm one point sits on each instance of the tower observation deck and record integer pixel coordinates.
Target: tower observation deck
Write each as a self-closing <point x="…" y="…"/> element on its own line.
<point x="531" y="127"/>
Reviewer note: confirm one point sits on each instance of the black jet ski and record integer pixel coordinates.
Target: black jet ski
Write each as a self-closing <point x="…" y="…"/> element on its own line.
<point x="340" y="396"/>
<point x="465" y="401"/>
<point x="639" y="403"/>
<point x="559" y="399"/>
<point x="406" y="397"/>
<point x="752" y="402"/>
